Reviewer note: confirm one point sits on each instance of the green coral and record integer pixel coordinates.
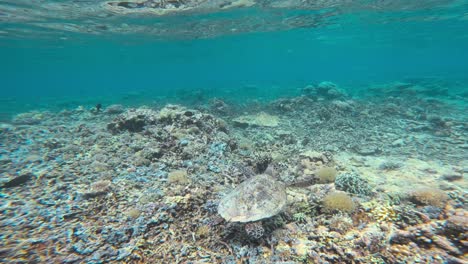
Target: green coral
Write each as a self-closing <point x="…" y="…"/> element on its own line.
<point x="303" y="207"/>
<point x="299" y="217"/>
<point x="353" y="183"/>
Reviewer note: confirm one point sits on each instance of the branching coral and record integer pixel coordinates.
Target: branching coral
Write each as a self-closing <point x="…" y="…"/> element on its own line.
<point x="353" y="183"/>
<point x="381" y="212"/>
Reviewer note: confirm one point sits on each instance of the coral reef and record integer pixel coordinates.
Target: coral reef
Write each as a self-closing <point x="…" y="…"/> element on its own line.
<point x="167" y="185"/>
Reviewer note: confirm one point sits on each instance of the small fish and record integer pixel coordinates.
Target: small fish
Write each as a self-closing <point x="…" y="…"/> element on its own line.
<point x="17" y="181"/>
<point x="98" y="107"/>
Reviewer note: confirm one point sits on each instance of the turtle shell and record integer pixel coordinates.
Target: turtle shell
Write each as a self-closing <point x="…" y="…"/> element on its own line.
<point x="257" y="198"/>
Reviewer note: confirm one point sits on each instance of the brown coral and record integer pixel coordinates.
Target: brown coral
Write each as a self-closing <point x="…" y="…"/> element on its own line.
<point x="178" y="176"/>
<point x="326" y="174"/>
<point x="429" y="196"/>
<point x="338" y="201"/>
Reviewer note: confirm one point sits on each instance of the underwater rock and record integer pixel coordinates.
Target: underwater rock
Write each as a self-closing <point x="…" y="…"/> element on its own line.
<point x="390" y="165"/>
<point x="452" y="177"/>
<point x="429" y="196"/>
<point x="178" y="177"/>
<point x="29" y="118"/>
<point x="257" y="198"/>
<point x="22" y="179"/>
<point x="318" y="158"/>
<point x="329" y="90"/>
<point x="98" y="188"/>
<point x="114" y="109"/>
<point x="259" y="120"/>
<point x="433" y="212"/>
<point x="326" y="90"/>
<point x="457" y="225"/>
<point x="219" y="106"/>
<point x="367" y="150"/>
<point x="134" y="120"/>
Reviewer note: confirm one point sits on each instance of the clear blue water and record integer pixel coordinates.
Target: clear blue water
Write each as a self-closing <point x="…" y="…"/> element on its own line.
<point x="57" y="68"/>
<point x="144" y="185"/>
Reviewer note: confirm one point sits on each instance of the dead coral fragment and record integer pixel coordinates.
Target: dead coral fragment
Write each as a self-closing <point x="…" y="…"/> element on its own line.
<point x="340" y="223"/>
<point x="262" y="119"/>
<point x="99" y="188"/>
<point x="178" y="176"/>
<point x="133" y="213"/>
<point x="429" y="196"/>
<point x="338" y="201"/>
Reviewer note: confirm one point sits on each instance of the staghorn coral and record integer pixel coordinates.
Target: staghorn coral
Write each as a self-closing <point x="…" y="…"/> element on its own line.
<point x="300" y="217"/>
<point x="381" y="211"/>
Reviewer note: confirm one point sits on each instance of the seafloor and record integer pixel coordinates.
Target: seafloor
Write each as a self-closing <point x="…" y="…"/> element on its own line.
<point x="378" y="178"/>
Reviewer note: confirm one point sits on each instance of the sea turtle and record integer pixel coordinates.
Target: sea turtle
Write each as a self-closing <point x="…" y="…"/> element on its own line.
<point x="255" y="199"/>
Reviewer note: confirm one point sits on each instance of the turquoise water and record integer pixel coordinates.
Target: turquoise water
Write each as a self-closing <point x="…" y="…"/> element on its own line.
<point x="219" y="131"/>
<point x="57" y="68"/>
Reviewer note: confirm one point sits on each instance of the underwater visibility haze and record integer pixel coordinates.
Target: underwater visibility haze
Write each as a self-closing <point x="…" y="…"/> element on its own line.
<point x="221" y="131"/>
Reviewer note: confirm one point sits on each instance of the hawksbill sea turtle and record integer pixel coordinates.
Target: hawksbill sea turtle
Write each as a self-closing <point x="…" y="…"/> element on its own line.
<point x="257" y="198"/>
